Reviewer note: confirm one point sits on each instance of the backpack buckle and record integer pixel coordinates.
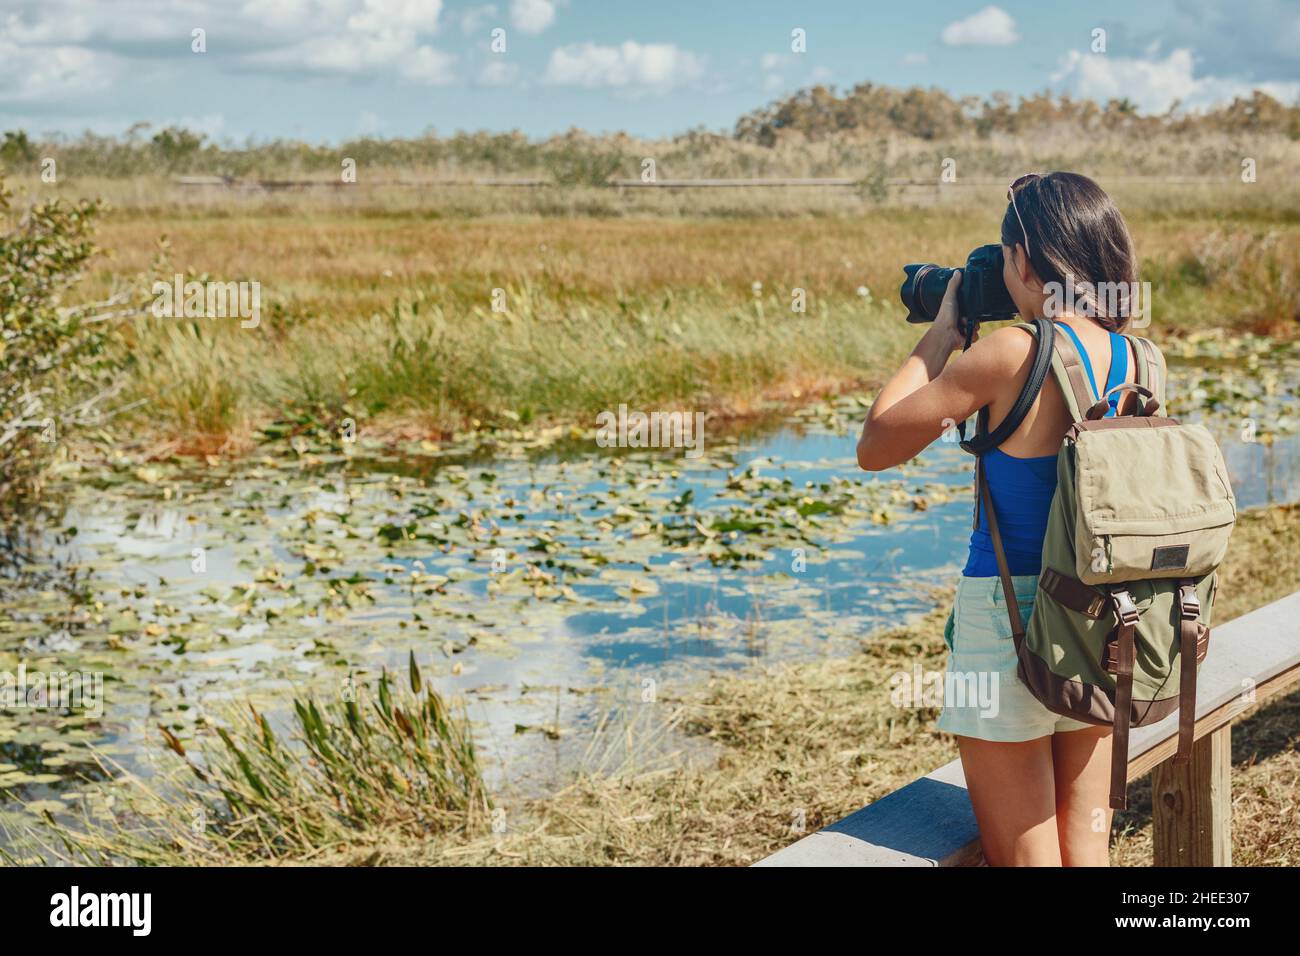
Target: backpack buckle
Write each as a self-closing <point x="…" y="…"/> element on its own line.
<point x="1110" y="653"/>
<point x="1189" y="604"/>
<point x="1125" y="610"/>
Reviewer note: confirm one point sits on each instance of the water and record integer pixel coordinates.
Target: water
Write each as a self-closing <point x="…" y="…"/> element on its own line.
<point x="540" y="587"/>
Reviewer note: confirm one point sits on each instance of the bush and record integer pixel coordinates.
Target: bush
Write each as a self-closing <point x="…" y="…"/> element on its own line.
<point x="52" y="359"/>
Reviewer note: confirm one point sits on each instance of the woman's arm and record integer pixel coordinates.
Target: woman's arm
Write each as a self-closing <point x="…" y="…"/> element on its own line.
<point x="911" y="410"/>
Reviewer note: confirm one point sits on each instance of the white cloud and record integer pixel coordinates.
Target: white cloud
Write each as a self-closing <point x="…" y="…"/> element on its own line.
<point x="474" y="19"/>
<point x="1254" y="39"/>
<point x="281" y="15"/>
<point x="992" y="26"/>
<point x="532" y="16"/>
<point x="427" y="65"/>
<point x="497" y="72"/>
<point x="378" y="36"/>
<point x="630" y="65"/>
<point x="915" y="59"/>
<point x="397" y="51"/>
<point x="1153" y="84"/>
<point x="51" y="48"/>
<point x="31" y="74"/>
<point x="379" y="16"/>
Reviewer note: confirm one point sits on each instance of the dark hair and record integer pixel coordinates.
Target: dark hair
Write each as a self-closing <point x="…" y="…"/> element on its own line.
<point x="1076" y="231"/>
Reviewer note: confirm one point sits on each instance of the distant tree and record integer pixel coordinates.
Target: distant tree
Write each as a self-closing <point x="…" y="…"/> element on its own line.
<point x="577" y="159"/>
<point x="1258" y="113"/>
<point x="931" y="114"/>
<point x="176" y="148"/>
<point x="17" y="148"/>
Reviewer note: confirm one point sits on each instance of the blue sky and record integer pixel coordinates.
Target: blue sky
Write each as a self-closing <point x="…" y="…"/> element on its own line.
<point x="326" y="70"/>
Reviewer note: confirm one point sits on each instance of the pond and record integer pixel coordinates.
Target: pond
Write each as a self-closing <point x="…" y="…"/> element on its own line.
<point x="540" y="578"/>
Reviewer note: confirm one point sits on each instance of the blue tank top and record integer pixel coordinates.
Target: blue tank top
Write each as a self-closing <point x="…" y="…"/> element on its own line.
<point x="1022" y="488"/>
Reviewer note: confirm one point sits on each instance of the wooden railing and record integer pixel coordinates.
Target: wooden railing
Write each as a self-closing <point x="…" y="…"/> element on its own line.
<point x="930" y="821"/>
<point x="787" y="182"/>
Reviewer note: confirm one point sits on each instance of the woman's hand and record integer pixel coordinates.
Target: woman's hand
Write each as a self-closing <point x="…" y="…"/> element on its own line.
<point x="946" y="332"/>
<point x="933" y="390"/>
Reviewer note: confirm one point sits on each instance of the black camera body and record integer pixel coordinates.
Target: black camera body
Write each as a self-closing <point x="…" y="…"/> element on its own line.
<point x="983" y="296"/>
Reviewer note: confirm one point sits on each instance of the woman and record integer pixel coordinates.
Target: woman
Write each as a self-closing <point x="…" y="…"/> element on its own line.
<point x="1038" y="781"/>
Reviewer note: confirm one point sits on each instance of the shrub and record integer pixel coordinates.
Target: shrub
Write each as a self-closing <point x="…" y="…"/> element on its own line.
<point x="52" y="360"/>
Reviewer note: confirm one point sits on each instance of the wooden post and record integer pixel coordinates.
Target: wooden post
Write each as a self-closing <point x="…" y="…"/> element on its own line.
<point x="1192" y="805"/>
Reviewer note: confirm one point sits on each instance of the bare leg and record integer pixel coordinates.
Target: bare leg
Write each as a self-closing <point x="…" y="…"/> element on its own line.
<point x="1013" y="792"/>
<point x="1083" y="814"/>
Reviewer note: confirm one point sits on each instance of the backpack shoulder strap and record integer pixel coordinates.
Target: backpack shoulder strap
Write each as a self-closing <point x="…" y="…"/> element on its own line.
<point x="1150" y="367"/>
<point x="1067" y="368"/>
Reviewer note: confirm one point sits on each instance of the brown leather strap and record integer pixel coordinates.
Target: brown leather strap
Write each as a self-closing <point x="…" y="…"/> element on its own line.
<point x="1008" y="589"/>
<point x="1189" y="610"/>
<point x="980" y="428"/>
<point x="1126" y="614"/>
<point x="1072" y="593"/>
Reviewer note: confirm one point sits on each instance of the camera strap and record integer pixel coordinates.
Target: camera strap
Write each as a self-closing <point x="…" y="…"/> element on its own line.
<point x="985" y="441"/>
<point x="1045" y="337"/>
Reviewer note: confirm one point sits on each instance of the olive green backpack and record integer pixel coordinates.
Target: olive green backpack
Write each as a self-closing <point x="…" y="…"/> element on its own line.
<point x="1139" y="523"/>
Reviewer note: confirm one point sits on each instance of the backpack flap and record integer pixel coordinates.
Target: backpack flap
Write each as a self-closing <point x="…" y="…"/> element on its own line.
<point x="1154" y="500"/>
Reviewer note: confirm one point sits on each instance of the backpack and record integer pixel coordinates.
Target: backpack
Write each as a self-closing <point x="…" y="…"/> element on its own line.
<point x="1137" y="528"/>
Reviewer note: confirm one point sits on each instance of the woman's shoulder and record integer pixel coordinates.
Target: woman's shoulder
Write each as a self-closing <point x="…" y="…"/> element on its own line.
<point x="1005" y="351"/>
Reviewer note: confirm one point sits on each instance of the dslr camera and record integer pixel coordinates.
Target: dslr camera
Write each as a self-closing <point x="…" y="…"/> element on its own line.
<point x="983" y="296"/>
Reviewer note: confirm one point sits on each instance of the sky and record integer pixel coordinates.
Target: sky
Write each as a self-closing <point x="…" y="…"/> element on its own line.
<point x="329" y="70"/>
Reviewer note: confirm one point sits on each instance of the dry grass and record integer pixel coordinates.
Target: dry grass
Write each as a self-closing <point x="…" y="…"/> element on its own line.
<point x="389" y="311"/>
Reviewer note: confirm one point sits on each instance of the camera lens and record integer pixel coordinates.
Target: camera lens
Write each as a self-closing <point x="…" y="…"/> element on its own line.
<point x="923" y="289"/>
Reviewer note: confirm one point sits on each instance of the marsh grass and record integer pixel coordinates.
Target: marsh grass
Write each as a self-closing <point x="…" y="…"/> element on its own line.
<point x="394" y="759"/>
<point x="390" y="311"/>
<point x="787" y="749"/>
<point x="419" y="362"/>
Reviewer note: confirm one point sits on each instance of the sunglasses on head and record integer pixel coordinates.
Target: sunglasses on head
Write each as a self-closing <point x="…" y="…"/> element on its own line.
<point x="1024" y="180"/>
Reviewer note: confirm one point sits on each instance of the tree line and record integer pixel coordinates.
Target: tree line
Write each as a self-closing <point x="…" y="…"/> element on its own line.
<point x="818" y="114"/>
